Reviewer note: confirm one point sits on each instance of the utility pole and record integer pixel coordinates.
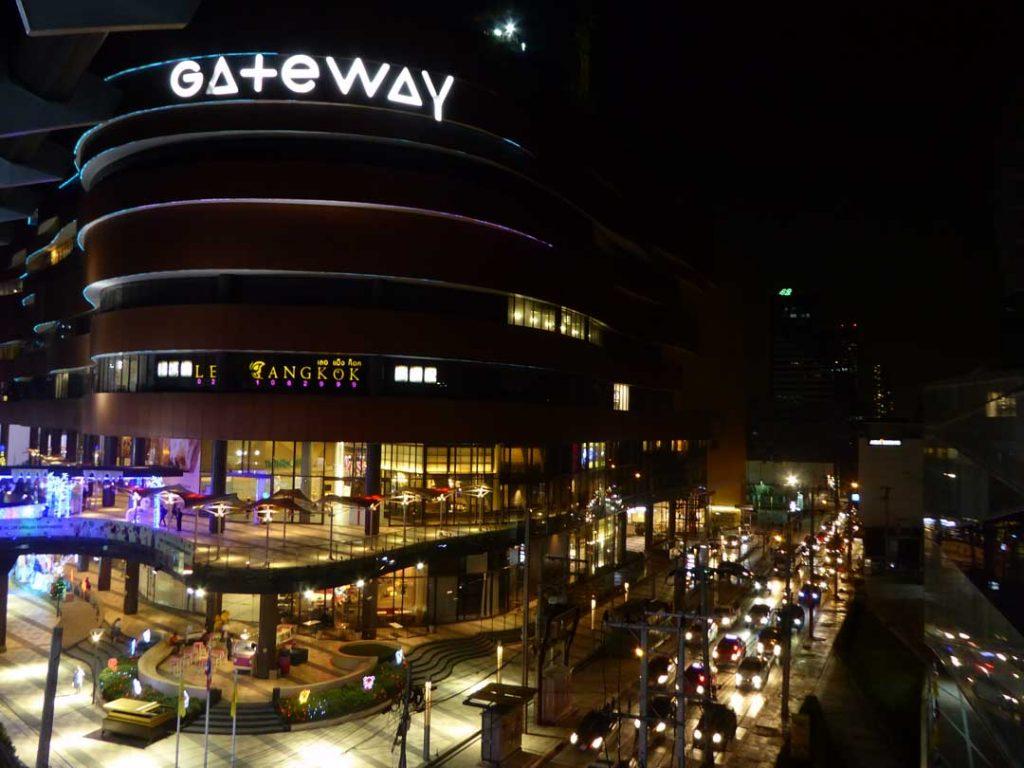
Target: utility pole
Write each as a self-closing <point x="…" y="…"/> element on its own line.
<point x="814" y="586"/>
<point x="786" y="633"/>
<point x="680" y="693"/>
<point x="642" y="736"/>
<point x="526" y="616"/>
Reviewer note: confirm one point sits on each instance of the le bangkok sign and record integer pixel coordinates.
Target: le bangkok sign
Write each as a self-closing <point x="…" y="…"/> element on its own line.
<point x="324" y="78"/>
<point x="288" y="372"/>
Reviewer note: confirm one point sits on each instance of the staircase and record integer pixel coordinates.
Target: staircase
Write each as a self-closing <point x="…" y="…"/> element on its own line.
<point x="435" y="661"/>
<point x="253" y="719"/>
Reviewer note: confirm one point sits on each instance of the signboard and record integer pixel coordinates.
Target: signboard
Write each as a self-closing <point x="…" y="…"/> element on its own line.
<point x="292" y="372"/>
<point x="316" y="77"/>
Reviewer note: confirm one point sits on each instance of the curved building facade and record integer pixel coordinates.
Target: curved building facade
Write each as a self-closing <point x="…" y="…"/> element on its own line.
<point x="361" y="291"/>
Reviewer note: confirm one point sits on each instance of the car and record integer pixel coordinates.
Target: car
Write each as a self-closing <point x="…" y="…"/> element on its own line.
<point x="760" y="586"/>
<point x="731" y="541"/>
<point x="716" y="727"/>
<point x="698" y="681"/>
<point x="661" y="713"/>
<point x="730" y="650"/>
<point x="733" y="569"/>
<point x="660" y="670"/>
<point x="724" y="615"/>
<point x="809" y="594"/>
<point x="759" y="615"/>
<point x="752" y="673"/>
<point x="594" y="728"/>
<point x="769" y="642"/>
<point x="695" y="633"/>
<point x="795" y="614"/>
<point x="996" y="695"/>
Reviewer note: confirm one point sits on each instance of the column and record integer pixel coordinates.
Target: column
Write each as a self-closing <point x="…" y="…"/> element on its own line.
<point x="648" y="523"/>
<point x="369" y="610"/>
<point x="620" y="537"/>
<point x="33" y="438"/>
<point x="266" y="648"/>
<point x="71" y="455"/>
<point x="83" y="563"/>
<point x="672" y="521"/>
<point x="131" y="587"/>
<point x="138" y="451"/>
<point x="103" y="581"/>
<point x="4" y="437"/>
<point x="89" y="443"/>
<point x="214" y="605"/>
<point x="6" y="563"/>
<point x="110" y="444"/>
<point x="372" y="524"/>
<point x="218" y="479"/>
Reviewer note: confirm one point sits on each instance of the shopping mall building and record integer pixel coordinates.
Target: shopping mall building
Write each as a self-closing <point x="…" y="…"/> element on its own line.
<point x="355" y="279"/>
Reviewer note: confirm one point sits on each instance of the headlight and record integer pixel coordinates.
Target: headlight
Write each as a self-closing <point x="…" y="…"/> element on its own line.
<point x="747" y="618"/>
<point x="726" y="621"/>
<point x="700" y="692"/>
<point x="716" y="738"/>
<point x="636" y="723"/>
<point x="714" y="654"/>
<point x="697" y="734"/>
<point x="739" y="679"/>
<point x="757" y="585"/>
<point x="574" y="738"/>
<point x="662" y="679"/>
<point x="777" y="650"/>
<point x="689" y="635"/>
<point x="596" y="743"/>
<point x="764" y="621"/>
<point x="802" y="594"/>
<point x="756" y="680"/>
<point x="798" y="622"/>
<point x="660" y="727"/>
<point x="760" y="647"/>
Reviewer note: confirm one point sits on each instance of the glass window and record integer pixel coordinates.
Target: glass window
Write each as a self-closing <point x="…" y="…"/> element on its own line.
<point x="186" y="368"/>
<point x="401" y="373"/>
<point x="620" y="397"/>
<point x="573" y="324"/>
<point x="284" y="457"/>
<point x="416" y="374"/>
<point x="430" y="375"/>
<point x="595" y="331"/>
<point x="161" y="369"/>
<point x="531" y="313"/>
<point x="172" y="367"/>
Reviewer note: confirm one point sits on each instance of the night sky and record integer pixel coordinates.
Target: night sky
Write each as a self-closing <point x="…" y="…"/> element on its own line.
<point x="850" y="149"/>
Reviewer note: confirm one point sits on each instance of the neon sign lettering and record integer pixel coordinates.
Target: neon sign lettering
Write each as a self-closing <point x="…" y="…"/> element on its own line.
<point x="302" y="74"/>
<point x="321" y="374"/>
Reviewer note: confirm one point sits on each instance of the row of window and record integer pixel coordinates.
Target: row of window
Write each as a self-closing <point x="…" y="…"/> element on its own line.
<point x="531" y="313"/>
<point x="416" y="374"/>
<point x="173" y="369"/>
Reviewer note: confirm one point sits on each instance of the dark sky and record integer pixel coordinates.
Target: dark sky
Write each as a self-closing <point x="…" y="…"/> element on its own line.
<point x="848" y="148"/>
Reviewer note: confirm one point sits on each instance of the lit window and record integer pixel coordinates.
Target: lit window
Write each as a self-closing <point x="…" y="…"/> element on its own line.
<point x="573" y="324"/>
<point x="620" y="397"/>
<point x="186" y="367"/>
<point x="172" y="367"/>
<point x="161" y="369"/>
<point x="119" y="364"/>
<point x="999" y="406"/>
<point x="430" y="375"/>
<point x="416" y="374"/>
<point x="401" y="373"/>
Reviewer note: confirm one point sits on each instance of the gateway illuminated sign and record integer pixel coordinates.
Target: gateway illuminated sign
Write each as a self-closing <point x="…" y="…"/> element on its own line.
<point x="885" y="441"/>
<point x="302" y="75"/>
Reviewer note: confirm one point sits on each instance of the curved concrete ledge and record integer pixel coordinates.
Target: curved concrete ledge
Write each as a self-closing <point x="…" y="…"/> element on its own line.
<point x="149" y="663"/>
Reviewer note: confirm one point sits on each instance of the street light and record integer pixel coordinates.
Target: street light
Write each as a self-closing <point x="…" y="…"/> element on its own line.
<point x="266" y="514"/>
<point x="792" y="480"/>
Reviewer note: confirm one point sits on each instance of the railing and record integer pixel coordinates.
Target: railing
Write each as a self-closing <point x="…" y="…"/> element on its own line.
<point x="166" y="549"/>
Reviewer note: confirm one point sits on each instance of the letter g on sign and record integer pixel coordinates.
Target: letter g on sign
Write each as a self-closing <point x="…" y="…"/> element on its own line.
<point x="186" y="79"/>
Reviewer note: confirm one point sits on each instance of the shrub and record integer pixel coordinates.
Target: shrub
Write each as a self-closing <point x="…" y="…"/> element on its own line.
<point x="344" y="700"/>
<point x="117" y="683"/>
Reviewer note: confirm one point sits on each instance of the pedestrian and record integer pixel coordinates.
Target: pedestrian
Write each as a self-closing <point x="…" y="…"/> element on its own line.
<point x="78" y="678"/>
<point x="179" y="510"/>
<point x="115" y="629"/>
<point x="86" y="587"/>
